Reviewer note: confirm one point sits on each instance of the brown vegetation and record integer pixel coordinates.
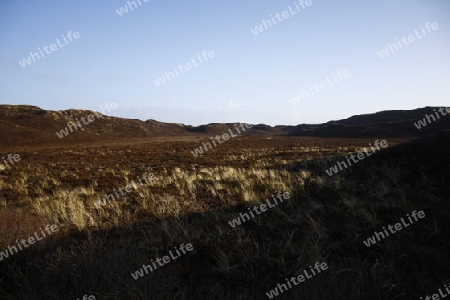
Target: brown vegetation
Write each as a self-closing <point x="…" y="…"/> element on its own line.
<point x="193" y="199"/>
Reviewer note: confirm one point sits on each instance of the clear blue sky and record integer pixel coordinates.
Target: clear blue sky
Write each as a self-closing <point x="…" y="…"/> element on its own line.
<point x="250" y="79"/>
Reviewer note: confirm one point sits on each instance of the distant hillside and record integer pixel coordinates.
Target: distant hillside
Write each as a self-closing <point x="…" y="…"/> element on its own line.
<point x="393" y="123"/>
<point x="25" y="125"/>
<point x="31" y="125"/>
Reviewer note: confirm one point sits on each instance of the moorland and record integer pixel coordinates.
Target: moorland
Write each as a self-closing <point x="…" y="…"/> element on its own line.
<point x="192" y="199"/>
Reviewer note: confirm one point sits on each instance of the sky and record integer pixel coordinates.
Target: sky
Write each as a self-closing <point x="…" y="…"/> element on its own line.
<point x="242" y="77"/>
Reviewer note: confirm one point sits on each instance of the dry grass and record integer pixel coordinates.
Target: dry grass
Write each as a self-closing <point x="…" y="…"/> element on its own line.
<point x="191" y="201"/>
<point x="16" y="225"/>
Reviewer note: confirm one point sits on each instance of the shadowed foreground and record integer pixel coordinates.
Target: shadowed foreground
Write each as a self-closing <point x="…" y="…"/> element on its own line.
<point x="326" y="220"/>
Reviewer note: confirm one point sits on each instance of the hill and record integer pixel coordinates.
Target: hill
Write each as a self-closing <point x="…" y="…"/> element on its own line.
<point x="22" y="125"/>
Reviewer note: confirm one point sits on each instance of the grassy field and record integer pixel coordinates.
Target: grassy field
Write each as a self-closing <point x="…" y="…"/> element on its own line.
<point x="193" y="199"/>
